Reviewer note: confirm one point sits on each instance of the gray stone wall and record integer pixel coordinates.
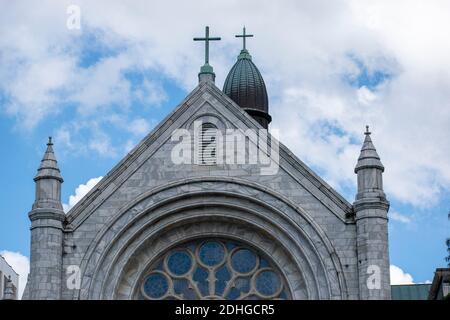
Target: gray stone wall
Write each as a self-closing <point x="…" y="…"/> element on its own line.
<point x="373" y="253"/>
<point x="46" y="255"/>
<point x="147" y="204"/>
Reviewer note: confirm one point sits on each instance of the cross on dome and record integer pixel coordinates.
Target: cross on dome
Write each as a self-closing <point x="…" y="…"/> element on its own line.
<point x="244" y="35"/>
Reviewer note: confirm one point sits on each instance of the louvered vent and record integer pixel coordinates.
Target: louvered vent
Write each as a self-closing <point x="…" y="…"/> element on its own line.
<point x="208" y="144"/>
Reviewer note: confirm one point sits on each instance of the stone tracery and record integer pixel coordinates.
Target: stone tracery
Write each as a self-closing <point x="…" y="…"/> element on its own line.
<point x="213" y="269"/>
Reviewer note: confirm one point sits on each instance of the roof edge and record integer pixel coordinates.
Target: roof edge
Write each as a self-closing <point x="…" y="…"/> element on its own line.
<point x="285" y="153"/>
<point x="134" y="153"/>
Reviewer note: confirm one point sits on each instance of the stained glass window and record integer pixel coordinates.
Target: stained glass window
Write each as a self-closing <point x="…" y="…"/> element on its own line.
<point x="213" y="269"/>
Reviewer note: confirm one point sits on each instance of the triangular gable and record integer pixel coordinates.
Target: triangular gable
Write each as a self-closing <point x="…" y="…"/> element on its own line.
<point x="136" y="157"/>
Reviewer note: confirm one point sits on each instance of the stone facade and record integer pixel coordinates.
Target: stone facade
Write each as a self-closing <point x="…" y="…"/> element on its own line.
<point x="9" y="281"/>
<point x="147" y="204"/>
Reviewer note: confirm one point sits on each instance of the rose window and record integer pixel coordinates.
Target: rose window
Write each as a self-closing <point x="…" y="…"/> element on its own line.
<point x="213" y="269"/>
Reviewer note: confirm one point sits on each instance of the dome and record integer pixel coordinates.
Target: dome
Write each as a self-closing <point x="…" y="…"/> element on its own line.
<point x="245" y="86"/>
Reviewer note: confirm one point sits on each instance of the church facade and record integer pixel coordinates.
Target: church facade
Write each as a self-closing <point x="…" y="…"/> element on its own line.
<point x="183" y="217"/>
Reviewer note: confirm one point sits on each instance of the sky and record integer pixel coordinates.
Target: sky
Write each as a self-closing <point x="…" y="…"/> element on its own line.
<point x="330" y="68"/>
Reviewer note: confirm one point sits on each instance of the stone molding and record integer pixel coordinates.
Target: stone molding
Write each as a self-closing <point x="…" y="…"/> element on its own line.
<point x="181" y="205"/>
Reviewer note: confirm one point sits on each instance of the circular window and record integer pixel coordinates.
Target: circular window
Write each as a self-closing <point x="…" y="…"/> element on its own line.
<point x="213" y="269"/>
<point x="243" y="261"/>
<point x="179" y="262"/>
<point x="211" y="253"/>
<point x="267" y="283"/>
<point x="156" y="285"/>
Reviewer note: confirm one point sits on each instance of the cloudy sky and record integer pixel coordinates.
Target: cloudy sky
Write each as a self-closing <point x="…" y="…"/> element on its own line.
<point x="330" y="67"/>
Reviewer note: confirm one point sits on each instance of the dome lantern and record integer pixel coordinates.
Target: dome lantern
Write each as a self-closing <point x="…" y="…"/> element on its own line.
<point x="245" y="86"/>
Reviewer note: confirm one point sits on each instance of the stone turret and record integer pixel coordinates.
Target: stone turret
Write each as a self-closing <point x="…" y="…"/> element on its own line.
<point x="47" y="217"/>
<point x="371" y="207"/>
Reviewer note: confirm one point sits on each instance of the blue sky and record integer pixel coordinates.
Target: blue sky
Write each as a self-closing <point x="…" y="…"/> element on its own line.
<point x="101" y="89"/>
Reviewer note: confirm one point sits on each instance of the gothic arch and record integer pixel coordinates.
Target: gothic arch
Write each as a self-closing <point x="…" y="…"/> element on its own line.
<point x="211" y="207"/>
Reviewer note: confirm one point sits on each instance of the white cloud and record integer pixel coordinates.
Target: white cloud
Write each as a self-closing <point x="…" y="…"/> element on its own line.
<point x="138" y="126"/>
<point x="398" y="276"/>
<point x="84" y="137"/>
<point x="321" y="114"/>
<point x="92" y="136"/>
<point x="365" y="95"/>
<point x="20" y="264"/>
<point x="151" y="92"/>
<point x="100" y="142"/>
<point x="394" y="215"/>
<point x="129" y="145"/>
<point x="80" y="192"/>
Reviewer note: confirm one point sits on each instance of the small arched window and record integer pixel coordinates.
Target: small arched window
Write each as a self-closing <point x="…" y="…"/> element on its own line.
<point x="208" y="144"/>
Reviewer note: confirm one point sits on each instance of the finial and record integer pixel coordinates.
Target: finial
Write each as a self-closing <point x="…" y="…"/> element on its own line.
<point x="206" y="68"/>
<point x="49" y="166"/>
<point x="243" y="36"/>
<point x="367" y="130"/>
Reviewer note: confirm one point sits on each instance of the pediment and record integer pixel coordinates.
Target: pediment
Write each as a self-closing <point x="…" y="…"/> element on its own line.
<point x="206" y="100"/>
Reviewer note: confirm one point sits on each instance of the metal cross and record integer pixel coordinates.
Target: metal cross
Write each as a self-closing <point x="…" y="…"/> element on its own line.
<point x="243" y="36"/>
<point x="207" y="39"/>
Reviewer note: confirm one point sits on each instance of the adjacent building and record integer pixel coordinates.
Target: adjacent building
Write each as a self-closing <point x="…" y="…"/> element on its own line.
<point x="9" y="281"/>
<point x="410" y="291"/>
<point x="440" y="287"/>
